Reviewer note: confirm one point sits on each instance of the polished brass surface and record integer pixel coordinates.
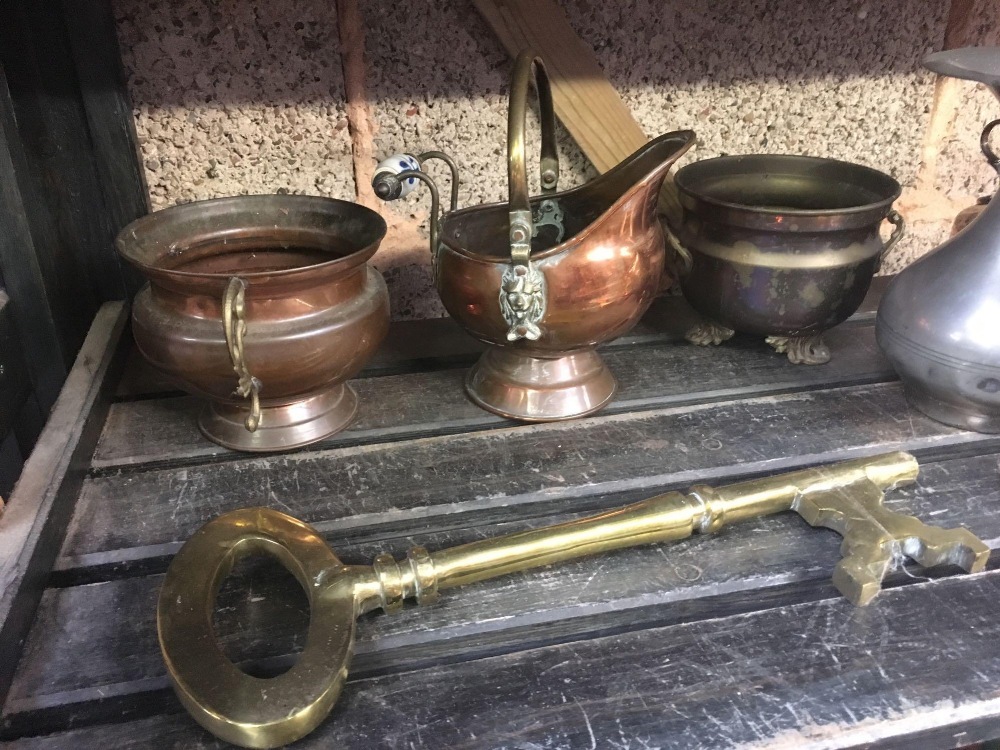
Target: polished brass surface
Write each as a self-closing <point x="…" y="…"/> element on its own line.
<point x="781" y="246"/>
<point x="275" y="287"/>
<point x="234" y="325"/>
<point x="550" y="277"/>
<point x="264" y="713"/>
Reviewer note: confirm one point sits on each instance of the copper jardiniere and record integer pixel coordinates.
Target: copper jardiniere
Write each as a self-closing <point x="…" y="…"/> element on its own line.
<point x="544" y="280"/>
<point x="264" y="305"/>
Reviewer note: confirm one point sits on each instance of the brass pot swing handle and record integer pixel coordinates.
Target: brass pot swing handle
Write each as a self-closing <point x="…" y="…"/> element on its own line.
<point x="522" y="286"/>
<point x="235" y="326"/>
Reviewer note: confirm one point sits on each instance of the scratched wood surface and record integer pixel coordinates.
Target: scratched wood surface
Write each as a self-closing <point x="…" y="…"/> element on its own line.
<point x="70" y="660"/>
<point x="732" y="640"/>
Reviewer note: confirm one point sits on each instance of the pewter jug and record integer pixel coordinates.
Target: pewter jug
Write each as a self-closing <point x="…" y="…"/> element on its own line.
<point x="939" y="322"/>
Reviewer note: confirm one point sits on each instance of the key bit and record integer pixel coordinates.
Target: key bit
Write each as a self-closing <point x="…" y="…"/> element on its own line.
<point x="263" y="713"/>
<point x="877" y="539"/>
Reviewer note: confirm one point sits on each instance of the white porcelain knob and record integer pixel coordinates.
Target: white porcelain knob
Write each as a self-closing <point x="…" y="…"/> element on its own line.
<point x="400" y="163"/>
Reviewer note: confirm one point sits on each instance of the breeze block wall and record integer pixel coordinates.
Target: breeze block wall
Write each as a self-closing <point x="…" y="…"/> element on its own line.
<point x="305" y="96"/>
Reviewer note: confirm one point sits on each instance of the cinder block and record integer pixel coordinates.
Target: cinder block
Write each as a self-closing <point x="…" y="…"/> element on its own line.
<point x="238" y="97"/>
<point x="234" y="97"/>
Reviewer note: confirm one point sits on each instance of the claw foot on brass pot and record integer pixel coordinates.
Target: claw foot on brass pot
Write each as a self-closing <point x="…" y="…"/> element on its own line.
<point x="708" y="333"/>
<point x="518" y="385"/>
<point x="801" y="350"/>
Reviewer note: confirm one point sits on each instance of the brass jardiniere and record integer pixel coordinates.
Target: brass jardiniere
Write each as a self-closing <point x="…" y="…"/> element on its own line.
<point x="781" y="246"/>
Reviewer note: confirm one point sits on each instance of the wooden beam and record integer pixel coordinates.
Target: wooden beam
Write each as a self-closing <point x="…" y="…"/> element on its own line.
<point x="585" y="101"/>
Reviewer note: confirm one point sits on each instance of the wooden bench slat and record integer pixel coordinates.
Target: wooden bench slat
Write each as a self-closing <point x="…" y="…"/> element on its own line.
<point x="160" y="431"/>
<point x="73" y="663"/>
<point x="33" y="523"/>
<point x="428" y="483"/>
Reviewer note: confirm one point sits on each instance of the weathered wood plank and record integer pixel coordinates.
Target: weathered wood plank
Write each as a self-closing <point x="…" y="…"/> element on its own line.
<point x="73" y="660"/>
<point x="15" y="386"/>
<point x="918" y="669"/>
<point x="491" y="475"/>
<point x="93" y="41"/>
<point x="23" y="274"/>
<point x="422" y="345"/>
<point x="159" y="431"/>
<point x="33" y="525"/>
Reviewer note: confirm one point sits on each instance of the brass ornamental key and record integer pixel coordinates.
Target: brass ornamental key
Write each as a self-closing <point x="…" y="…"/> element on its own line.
<point x="265" y="713"/>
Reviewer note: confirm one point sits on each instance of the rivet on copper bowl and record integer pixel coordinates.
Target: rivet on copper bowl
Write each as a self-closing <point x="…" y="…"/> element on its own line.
<point x="264" y="305"/>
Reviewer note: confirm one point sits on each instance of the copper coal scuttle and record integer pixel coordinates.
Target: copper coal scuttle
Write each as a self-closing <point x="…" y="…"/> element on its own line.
<point x="544" y="280"/>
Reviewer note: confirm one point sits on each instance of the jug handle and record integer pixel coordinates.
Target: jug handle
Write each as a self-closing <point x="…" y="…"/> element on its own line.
<point x="235" y="326"/>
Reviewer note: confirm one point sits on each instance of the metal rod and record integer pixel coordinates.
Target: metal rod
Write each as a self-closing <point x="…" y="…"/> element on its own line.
<point x="454" y="172"/>
<point x="435" y="202"/>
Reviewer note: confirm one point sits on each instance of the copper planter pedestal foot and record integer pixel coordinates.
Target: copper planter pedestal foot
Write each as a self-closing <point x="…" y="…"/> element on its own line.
<point x="283" y="426"/>
<point x="520" y="386"/>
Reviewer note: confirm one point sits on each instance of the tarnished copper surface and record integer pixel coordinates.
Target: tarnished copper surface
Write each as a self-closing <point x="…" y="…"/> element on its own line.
<point x="600" y="280"/>
<point x="314" y="310"/>
<point x="550" y="277"/>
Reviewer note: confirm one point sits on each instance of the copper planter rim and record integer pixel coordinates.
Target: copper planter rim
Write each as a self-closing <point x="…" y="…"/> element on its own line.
<point x="147" y="240"/>
<point x="696" y="196"/>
